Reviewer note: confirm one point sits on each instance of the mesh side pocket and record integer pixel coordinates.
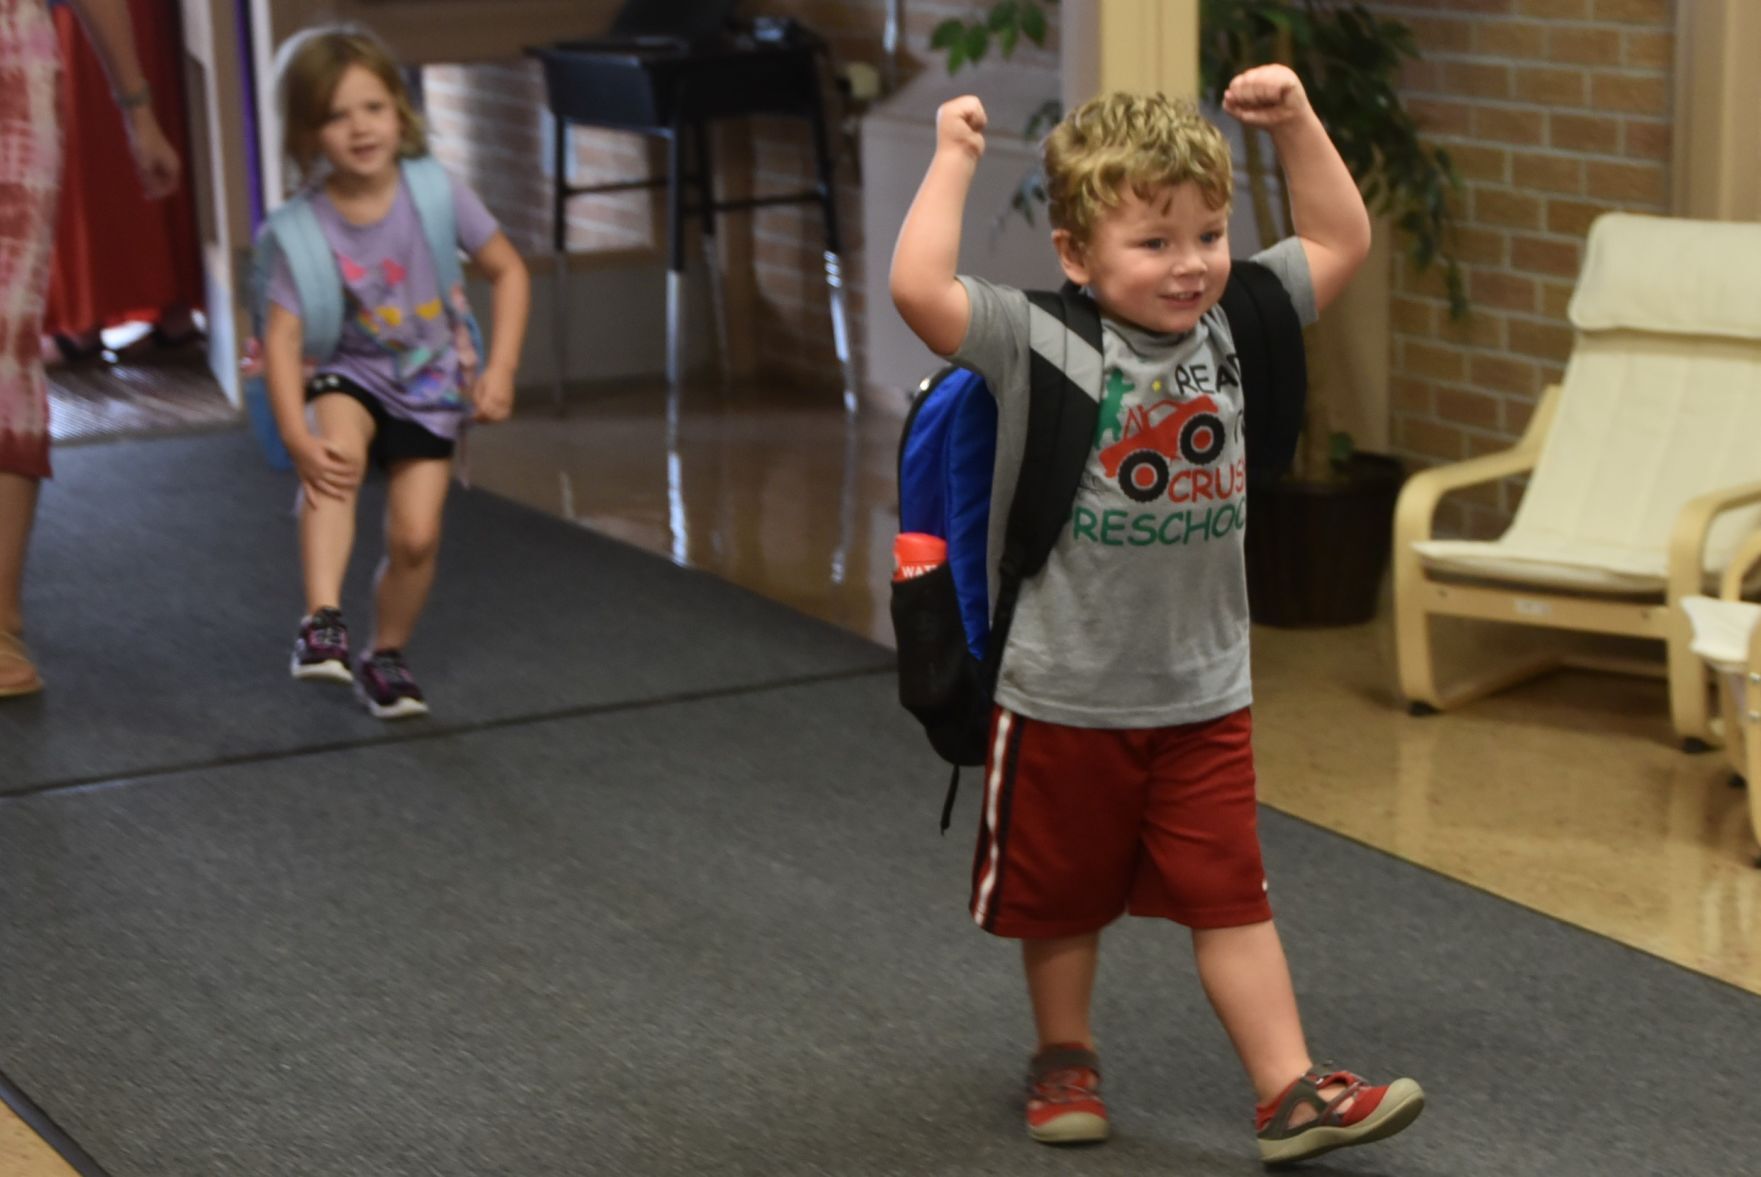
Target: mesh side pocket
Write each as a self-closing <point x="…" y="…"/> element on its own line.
<point x="939" y="681"/>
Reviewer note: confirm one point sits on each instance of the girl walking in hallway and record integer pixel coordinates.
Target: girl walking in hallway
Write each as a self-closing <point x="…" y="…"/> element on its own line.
<point x="406" y="375"/>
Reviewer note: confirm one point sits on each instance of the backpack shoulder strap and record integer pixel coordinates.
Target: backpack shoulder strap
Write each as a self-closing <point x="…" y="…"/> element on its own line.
<point x="294" y="232"/>
<point x="1064" y="378"/>
<point x="431" y="192"/>
<point x="1272" y="365"/>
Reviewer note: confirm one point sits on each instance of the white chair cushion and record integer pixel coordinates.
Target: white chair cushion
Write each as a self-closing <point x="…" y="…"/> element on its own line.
<point x="1504" y="561"/>
<point x="1721" y="630"/>
<point x="1645" y="423"/>
<point x="1670" y="274"/>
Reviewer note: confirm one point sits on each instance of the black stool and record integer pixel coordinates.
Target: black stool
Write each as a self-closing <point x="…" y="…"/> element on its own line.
<point x="674" y="88"/>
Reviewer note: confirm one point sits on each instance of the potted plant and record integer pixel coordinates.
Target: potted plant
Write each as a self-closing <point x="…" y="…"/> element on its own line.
<point x="1319" y="543"/>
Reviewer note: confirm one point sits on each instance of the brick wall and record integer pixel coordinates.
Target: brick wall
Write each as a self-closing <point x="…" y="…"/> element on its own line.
<point x="1554" y="111"/>
<point x="491" y="130"/>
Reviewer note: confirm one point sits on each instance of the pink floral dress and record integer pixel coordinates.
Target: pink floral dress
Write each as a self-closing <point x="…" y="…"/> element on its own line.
<point x="30" y="178"/>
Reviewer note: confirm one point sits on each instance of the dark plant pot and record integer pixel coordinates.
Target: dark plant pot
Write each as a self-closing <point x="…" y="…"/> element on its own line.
<point x="1316" y="551"/>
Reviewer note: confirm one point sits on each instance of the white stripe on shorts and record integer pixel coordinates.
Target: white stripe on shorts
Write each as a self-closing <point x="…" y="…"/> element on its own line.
<point x="993" y="791"/>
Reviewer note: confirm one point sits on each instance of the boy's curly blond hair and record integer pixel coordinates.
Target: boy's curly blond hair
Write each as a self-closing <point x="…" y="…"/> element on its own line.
<point x="1143" y="143"/>
<point x="309" y="67"/>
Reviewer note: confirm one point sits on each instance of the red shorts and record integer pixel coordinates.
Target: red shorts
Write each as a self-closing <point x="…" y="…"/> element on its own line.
<point x="1080" y="825"/>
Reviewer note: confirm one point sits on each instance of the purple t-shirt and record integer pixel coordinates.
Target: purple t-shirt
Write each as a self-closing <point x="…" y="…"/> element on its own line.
<point x="403" y="340"/>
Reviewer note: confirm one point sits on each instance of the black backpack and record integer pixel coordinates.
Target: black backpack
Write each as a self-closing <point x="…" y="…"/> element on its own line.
<point x="950" y="642"/>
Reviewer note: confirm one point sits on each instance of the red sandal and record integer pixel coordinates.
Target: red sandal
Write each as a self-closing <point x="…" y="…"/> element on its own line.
<point x="1375" y="1113"/>
<point x="1064" y="1103"/>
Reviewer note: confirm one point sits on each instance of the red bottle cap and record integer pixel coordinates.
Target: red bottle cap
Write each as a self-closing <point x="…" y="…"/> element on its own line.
<point x="915" y="553"/>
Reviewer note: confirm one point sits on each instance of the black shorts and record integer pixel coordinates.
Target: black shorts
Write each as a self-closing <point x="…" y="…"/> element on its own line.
<point x="394" y="439"/>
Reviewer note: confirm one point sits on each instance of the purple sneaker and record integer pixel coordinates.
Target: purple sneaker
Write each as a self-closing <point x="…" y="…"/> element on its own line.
<point x="387" y="687"/>
<point x="321" y="651"/>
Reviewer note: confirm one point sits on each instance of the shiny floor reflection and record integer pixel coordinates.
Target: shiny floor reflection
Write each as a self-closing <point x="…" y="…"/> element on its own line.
<point x="160" y="391"/>
<point x="1567" y="796"/>
<point x="772" y="491"/>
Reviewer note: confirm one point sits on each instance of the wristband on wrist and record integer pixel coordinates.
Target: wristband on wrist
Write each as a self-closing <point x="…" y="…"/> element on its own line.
<point x="135" y="99"/>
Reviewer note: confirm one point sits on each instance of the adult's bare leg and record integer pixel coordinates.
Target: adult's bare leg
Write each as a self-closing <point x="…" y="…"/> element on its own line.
<point x="18" y="507"/>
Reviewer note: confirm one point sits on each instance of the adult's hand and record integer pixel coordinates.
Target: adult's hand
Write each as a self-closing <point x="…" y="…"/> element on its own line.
<point x="156" y="159"/>
<point x="112" y="36"/>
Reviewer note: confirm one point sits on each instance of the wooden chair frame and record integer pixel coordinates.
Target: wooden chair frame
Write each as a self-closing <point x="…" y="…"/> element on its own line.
<point x="1420" y="594"/>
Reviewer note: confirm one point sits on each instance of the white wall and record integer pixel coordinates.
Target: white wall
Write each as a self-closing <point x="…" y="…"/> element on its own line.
<point x="898" y="139"/>
<point x="616" y="325"/>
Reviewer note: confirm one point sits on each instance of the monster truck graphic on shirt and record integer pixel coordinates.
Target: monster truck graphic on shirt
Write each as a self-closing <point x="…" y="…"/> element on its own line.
<point x="1153" y="437"/>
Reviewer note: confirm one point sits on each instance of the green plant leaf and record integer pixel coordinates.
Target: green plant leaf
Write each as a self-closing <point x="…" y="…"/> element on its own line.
<point x="978" y="41"/>
<point x="947" y="34"/>
<point x="1033" y="22"/>
<point x="1004" y="16"/>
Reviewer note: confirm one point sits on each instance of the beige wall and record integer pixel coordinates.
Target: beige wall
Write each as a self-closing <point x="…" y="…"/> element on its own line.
<point x="1718" y="96"/>
<point x="1128" y="45"/>
<point x="443" y="30"/>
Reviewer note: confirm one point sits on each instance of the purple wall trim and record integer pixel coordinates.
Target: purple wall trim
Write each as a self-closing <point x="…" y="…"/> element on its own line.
<point x="253" y="147"/>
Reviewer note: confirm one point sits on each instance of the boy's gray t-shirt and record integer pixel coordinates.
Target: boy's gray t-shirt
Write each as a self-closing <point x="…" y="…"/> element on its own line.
<point x="1139" y="618"/>
<point x="403" y="338"/>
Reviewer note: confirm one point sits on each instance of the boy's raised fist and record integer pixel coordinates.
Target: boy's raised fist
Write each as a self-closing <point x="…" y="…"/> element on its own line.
<point x="1265" y="96"/>
<point x="960" y="125"/>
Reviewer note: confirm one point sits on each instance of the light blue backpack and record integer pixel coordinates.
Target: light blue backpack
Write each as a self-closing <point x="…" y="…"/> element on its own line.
<point x="293" y="231"/>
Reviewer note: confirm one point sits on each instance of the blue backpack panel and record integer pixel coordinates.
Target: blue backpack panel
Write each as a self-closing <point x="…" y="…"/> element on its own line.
<point x="946" y="457"/>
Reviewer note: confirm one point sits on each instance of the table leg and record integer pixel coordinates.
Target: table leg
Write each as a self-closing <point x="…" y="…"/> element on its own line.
<point x="834" y="281"/>
<point x="559" y="256"/>
<point x="834" y="264"/>
<point x="675" y="276"/>
<point x="700" y="133"/>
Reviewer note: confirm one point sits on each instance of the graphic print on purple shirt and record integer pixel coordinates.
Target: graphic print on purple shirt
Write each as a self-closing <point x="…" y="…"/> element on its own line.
<point x="403" y="340"/>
